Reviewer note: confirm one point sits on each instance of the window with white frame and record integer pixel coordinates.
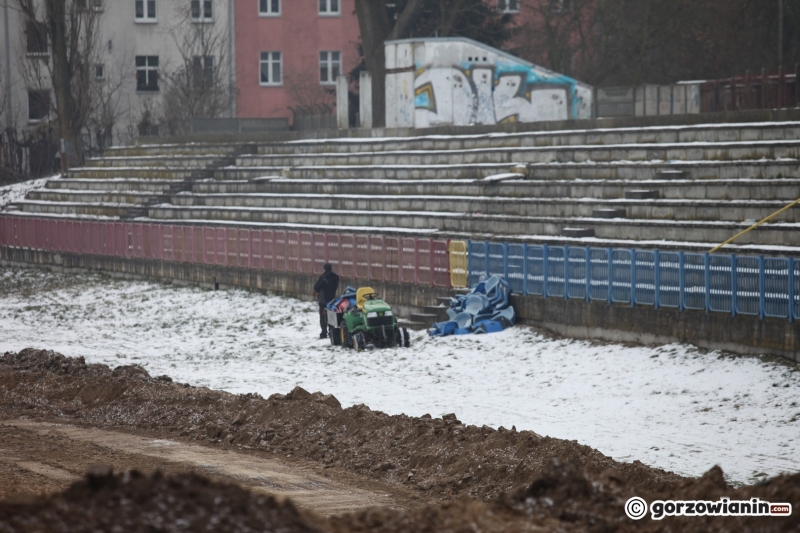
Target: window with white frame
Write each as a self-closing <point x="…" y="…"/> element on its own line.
<point x="145" y="11"/>
<point x="508" y="6"/>
<point x="202" y="71"/>
<point x="100" y="71"/>
<point x="36" y="38"/>
<point x="270" y="68"/>
<point x="202" y="10"/>
<point x="330" y="64"/>
<point x="147" y="73"/>
<point x="328" y="7"/>
<point x="269" y="8"/>
<point x="38" y="105"/>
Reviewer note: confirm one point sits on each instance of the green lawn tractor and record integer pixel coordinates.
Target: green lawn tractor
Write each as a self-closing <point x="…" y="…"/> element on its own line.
<point x="363" y="320"/>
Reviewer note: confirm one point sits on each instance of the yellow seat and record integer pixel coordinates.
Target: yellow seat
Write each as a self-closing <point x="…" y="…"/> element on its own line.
<point x="361" y="296"/>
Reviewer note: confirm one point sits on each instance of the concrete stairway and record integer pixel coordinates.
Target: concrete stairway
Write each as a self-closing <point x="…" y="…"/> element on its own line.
<point x="686" y="187"/>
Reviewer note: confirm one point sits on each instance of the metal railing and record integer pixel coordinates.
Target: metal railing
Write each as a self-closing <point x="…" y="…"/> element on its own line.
<point x="419" y="261"/>
<point x="738" y="285"/>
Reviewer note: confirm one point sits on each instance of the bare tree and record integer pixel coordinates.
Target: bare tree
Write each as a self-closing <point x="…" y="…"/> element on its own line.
<point x="108" y="105"/>
<point x="68" y="31"/>
<point x="199" y="86"/>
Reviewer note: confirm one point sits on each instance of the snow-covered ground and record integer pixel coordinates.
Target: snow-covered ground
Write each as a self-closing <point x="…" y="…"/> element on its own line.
<point x="16" y="192"/>
<point x="670" y="406"/>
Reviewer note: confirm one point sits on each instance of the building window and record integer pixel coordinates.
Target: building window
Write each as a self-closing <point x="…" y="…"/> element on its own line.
<point x="100" y="71"/>
<point x="270" y="68"/>
<point x="146" y="73"/>
<point x="38" y="105"/>
<point x="269" y="8"/>
<point x="202" y="71"/>
<point x="202" y="10"/>
<point x="508" y="6"/>
<point x="81" y="5"/>
<point x="328" y="7"/>
<point x="330" y="64"/>
<point x="145" y="11"/>
<point x="36" y="38"/>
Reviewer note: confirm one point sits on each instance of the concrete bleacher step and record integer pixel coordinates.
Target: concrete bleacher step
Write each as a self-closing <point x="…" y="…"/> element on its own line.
<point x="131" y="185"/>
<point x="746" y="132"/>
<point x="81" y="209"/>
<point x="609" y="212"/>
<point x="645" y="170"/>
<point x="412" y="325"/>
<point x="420" y="172"/>
<point x="462" y="224"/>
<point x="700" y="151"/>
<point x="437" y="311"/>
<point x="99" y="197"/>
<point x="641" y="194"/>
<point x="161" y="161"/>
<point x="577" y="232"/>
<point x="780" y="189"/>
<point x="424" y="318"/>
<point x="186" y="149"/>
<point x="671" y="209"/>
<point x="106" y="173"/>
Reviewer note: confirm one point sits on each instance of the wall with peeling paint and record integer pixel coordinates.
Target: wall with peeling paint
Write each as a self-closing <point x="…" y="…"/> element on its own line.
<point x="458" y="81"/>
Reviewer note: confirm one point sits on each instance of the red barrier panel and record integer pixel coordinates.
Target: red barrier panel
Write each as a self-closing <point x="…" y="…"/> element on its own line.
<point x="407" y="260"/>
<point x="293" y="251"/>
<point x="138" y="241"/>
<point x="87" y="244"/>
<point x="231" y="247"/>
<point x="24" y="231"/>
<point x="440" y="263"/>
<point x="424" y="274"/>
<point x="391" y="259"/>
<point x="320" y="248"/>
<point x="147" y="241"/>
<point x="279" y="249"/>
<point x="4" y="222"/>
<point x="168" y="242"/>
<point x="154" y="234"/>
<point x="377" y="258"/>
<point x="220" y="246"/>
<point x="305" y="253"/>
<point x="244" y="248"/>
<point x="255" y="249"/>
<point x="347" y="255"/>
<point x="267" y="250"/>
<point x="209" y="246"/>
<point x="184" y="244"/>
<point x="37" y="232"/>
<point x="334" y="252"/>
<point x="361" y="256"/>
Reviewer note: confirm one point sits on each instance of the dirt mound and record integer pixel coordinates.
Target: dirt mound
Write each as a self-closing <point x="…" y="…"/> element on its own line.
<point x="562" y="499"/>
<point x="439" y="456"/>
<point x="132" y="502"/>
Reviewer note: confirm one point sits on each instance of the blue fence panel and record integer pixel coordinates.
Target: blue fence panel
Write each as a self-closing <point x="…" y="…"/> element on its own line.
<point x="748" y="292"/>
<point x="669" y="287"/>
<point x="645" y="289"/>
<point x="476" y="261"/>
<point x="599" y="274"/>
<point x="516" y="268"/>
<point x="555" y="271"/>
<point x="720" y="275"/>
<point x="497" y="259"/>
<point x="621" y="263"/>
<point x="576" y="271"/>
<point x="796" y="288"/>
<point x="534" y="283"/>
<point x="694" y="281"/>
<point x="776" y="287"/>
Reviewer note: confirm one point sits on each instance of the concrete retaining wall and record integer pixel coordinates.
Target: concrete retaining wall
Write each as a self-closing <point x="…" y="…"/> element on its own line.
<point x="573" y="318"/>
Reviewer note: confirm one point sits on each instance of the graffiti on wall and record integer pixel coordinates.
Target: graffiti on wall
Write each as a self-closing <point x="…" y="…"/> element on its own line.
<point x="485" y="93"/>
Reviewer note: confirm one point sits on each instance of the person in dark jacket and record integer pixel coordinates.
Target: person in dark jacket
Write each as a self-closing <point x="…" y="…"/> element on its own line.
<point x="325" y="291"/>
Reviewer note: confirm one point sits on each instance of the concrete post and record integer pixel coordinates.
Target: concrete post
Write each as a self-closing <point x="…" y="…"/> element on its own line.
<point x="342" y="109"/>
<point x="365" y="99"/>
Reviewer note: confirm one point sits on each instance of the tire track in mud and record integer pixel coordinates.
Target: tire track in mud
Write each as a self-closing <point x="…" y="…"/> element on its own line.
<point x="299" y="482"/>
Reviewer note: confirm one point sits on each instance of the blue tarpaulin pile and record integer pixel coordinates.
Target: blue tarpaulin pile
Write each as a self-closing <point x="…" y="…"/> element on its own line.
<point x="484" y="309"/>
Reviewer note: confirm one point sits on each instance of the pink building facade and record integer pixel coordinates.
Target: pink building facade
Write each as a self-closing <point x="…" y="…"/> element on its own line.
<point x="289" y="53"/>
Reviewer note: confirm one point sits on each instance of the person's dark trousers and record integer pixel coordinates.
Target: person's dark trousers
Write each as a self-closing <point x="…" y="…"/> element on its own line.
<point x="323" y="321"/>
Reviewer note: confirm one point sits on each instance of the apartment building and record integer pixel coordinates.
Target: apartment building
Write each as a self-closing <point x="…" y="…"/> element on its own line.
<point x="290" y="52"/>
<point x="141" y="45"/>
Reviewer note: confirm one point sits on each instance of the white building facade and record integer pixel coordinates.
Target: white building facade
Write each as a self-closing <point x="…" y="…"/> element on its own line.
<point x="141" y="46"/>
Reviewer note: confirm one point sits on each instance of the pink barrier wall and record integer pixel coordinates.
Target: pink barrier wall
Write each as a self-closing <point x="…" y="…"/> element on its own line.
<point x="365" y="257"/>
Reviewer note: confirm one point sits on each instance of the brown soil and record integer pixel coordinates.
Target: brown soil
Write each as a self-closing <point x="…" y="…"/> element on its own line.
<point x="474" y="479"/>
